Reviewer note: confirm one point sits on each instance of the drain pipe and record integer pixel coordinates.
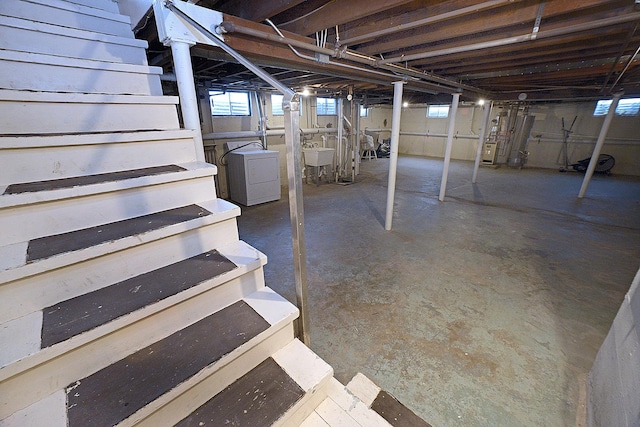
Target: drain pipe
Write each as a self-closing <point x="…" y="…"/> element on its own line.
<point x="291" y="108"/>
<point x="486" y="109"/>
<point x="599" y="143"/>
<point x="393" y="158"/>
<point x="447" y="153"/>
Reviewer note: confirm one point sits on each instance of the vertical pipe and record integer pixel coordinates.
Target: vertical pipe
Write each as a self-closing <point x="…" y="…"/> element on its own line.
<point x="187" y="92"/>
<point x="481" y="138"/>
<point x="599" y="144"/>
<point x="291" y="110"/>
<point x="447" y="152"/>
<point x="357" y="143"/>
<point x="339" y="145"/>
<point x="393" y="160"/>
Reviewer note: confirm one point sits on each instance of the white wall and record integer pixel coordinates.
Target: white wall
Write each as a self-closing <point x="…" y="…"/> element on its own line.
<point x="545" y="144"/>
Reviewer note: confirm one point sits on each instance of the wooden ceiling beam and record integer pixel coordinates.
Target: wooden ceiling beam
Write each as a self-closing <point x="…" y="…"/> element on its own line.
<point x="508" y="21"/>
<point x="258" y="11"/>
<point x="339" y="12"/>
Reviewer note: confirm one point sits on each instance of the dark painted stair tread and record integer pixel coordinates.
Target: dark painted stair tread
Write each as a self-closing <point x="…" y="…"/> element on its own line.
<point x="45" y="247"/>
<point x="85" y="312"/>
<point x="257" y="399"/>
<point x="75" y="181"/>
<point x="114" y="393"/>
<point x="396" y="414"/>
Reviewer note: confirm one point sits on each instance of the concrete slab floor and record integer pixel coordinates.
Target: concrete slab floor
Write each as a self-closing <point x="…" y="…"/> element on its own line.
<point x="486" y="309"/>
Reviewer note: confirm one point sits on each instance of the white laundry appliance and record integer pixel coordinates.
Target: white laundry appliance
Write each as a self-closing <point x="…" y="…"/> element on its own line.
<point x="253" y="173"/>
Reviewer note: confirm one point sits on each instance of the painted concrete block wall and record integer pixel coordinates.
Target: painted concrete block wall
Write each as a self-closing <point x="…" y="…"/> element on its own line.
<point x="545" y="143"/>
<point x="613" y="387"/>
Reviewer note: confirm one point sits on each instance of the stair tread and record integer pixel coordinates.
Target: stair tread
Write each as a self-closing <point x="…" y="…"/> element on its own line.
<point x="259" y="398"/>
<point x="398" y="415"/>
<point x="80" y="314"/>
<point x="46" y="247"/>
<point x="116" y="392"/>
<point x="57" y="184"/>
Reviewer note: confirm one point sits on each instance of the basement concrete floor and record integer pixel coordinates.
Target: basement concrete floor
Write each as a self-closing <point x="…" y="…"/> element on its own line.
<point x="486" y="309"/>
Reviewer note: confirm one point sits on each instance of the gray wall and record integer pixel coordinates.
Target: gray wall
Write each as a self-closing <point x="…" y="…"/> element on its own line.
<point x="613" y="389"/>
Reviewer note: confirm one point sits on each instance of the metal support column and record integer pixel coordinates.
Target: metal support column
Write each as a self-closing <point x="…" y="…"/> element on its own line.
<point x="393" y="159"/>
<point x="187" y="92"/>
<point x="483" y="135"/>
<point x="339" y="145"/>
<point x="599" y="143"/>
<point x="447" y="152"/>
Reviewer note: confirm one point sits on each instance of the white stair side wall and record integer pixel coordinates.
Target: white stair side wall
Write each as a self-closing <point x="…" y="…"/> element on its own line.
<point x="53" y="162"/>
<point x="50" y="411"/>
<point x="30" y="221"/>
<point x="89" y="113"/>
<point x="27" y="71"/>
<point x="42" y="289"/>
<point x="66" y="14"/>
<point x="55" y="374"/>
<point x="27" y="36"/>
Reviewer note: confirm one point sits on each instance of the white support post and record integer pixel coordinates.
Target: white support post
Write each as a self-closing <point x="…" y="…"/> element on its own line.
<point x="483" y="135"/>
<point x="187" y="92"/>
<point x="447" y="152"/>
<point x="599" y="143"/>
<point x="339" y="145"/>
<point x="393" y="160"/>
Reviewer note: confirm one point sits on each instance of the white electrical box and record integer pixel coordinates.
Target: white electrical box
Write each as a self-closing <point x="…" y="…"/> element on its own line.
<point x="254" y="176"/>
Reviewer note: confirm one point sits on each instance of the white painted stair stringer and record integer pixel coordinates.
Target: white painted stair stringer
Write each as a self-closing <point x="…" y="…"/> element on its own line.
<point x="25" y="35"/>
<point x="41" y="157"/>
<point x="65" y="14"/>
<point x="80" y="113"/>
<point x="28" y="216"/>
<point x="48" y="73"/>
<point x="30" y="386"/>
<point x="106" y="5"/>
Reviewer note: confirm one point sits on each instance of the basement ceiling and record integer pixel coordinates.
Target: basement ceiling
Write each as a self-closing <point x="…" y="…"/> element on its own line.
<point x="496" y="49"/>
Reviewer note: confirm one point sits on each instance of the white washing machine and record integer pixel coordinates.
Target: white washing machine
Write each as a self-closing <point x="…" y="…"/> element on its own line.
<point x="253" y="173"/>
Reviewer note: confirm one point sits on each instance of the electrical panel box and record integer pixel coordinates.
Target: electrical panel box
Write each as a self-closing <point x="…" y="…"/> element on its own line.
<point x="254" y="176"/>
<point x="489" y="151"/>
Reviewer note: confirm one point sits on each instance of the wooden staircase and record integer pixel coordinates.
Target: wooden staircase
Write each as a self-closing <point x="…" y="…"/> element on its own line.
<point x="126" y="296"/>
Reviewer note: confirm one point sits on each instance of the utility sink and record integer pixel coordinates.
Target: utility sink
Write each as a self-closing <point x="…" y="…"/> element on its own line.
<point x="318" y="156"/>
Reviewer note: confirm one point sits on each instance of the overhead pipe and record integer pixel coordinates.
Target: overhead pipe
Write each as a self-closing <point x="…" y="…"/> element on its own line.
<point x="399" y="71"/>
<point x="626" y="67"/>
<point x="447" y="152"/>
<point x="258" y="133"/>
<point x="430" y="20"/>
<point x="599" y="143"/>
<point x="516" y="39"/>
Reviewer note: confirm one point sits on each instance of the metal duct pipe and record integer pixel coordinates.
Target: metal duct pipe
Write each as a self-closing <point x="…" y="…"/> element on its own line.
<point x="481" y="138"/>
<point x="516" y="39"/>
<point x="258" y="133"/>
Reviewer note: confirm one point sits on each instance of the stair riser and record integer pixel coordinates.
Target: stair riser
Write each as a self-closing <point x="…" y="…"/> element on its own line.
<point x="18" y="75"/>
<point x="67" y="43"/>
<point x="106" y="5"/>
<point x="23" y="223"/>
<point x="55" y="374"/>
<point x="22" y="117"/>
<point x="102" y="23"/>
<point x="31" y="294"/>
<point x="43" y="163"/>
<point x="181" y="406"/>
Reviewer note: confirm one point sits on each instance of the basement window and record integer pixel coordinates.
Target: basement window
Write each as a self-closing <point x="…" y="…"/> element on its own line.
<point x="326" y="106"/>
<point x="229" y="103"/>
<point x="438" y="111"/>
<point x="626" y="107"/>
<point x="364" y="112"/>
<point x="276" y="105"/>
